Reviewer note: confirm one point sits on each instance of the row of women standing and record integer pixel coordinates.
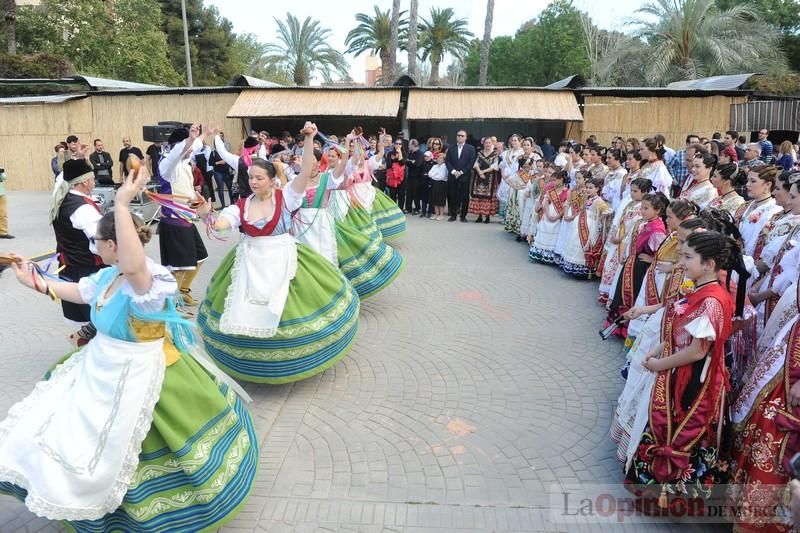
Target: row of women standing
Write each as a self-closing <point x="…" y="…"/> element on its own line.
<point x="139" y="430"/>
<point x="704" y="289"/>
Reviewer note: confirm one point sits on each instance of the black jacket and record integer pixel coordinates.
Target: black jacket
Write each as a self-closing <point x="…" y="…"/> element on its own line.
<point x="463" y="163"/>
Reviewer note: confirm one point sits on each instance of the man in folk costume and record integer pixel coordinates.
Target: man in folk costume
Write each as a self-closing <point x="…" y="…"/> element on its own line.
<point x="74" y="216"/>
<point x="182" y="249"/>
<point x="240" y="163"/>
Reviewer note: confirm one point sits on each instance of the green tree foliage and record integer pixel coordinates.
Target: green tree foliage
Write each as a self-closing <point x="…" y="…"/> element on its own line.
<point x="781" y="14"/>
<point x="34" y="66"/>
<point x="689" y="39"/>
<point x="542" y="51"/>
<point x="374" y="34"/>
<point x="211" y="42"/>
<point x="442" y="34"/>
<point x="303" y="50"/>
<point x="121" y="40"/>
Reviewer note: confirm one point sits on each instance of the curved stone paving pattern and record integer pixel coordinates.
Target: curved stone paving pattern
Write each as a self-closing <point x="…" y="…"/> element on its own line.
<point x="477" y="381"/>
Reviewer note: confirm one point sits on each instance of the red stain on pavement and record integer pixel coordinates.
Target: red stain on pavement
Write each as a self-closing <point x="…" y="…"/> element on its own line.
<point x="476" y="296"/>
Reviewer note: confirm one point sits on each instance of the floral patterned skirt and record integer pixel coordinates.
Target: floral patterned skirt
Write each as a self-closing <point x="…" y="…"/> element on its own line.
<point x="759" y="489"/>
<point x="704" y="479"/>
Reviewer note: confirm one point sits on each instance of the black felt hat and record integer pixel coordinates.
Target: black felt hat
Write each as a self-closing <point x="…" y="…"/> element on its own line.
<point x="178" y="135"/>
<point x="75" y="168"/>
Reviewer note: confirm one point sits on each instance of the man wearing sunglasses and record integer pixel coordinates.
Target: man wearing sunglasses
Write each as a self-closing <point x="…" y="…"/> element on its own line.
<point x="459" y="159"/>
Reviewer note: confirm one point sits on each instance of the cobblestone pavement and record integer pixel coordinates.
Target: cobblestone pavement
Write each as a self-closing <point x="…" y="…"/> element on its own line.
<point x="477" y="386"/>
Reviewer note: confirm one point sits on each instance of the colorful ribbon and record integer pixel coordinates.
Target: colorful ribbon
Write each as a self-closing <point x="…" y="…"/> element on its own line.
<point x="184" y="212"/>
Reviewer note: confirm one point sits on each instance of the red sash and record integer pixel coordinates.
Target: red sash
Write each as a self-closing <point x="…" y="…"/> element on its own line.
<point x="650" y="285"/>
<point x="676" y="433"/>
<point x="591" y="254"/>
<point x="628" y="296"/>
<point x="557" y="201"/>
<point x="788" y="417"/>
<point x="576" y="203"/>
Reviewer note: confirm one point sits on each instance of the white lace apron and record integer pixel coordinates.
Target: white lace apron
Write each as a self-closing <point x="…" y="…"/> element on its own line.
<point x="314" y="228"/>
<point x="74" y="442"/>
<point x="364" y="193"/>
<point x="262" y="271"/>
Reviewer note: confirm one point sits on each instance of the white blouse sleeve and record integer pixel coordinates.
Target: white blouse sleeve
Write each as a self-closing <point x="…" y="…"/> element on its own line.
<point x="163" y="286"/>
<point x="375" y="162"/>
<point x="87" y="286"/>
<point x="231" y="214"/>
<point x="701" y="328"/>
<point x="231" y="159"/>
<point x="291" y="198"/>
<point x="789" y="265"/>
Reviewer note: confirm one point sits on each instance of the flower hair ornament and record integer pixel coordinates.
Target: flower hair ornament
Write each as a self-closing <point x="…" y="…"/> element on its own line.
<point x="687" y="288"/>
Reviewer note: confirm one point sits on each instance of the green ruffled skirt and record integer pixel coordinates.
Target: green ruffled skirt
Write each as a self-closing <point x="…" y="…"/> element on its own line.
<point x="317" y="327"/>
<point x="389" y="218"/>
<point x="197" y="464"/>
<point x="368" y="263"/>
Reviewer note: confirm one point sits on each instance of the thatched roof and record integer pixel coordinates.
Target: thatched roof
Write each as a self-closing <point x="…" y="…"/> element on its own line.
<point x="316" y="102"/>
<point x="487" y="103"/>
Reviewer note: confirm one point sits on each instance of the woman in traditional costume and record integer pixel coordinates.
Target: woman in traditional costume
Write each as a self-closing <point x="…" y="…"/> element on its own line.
<point x="645" y="243"/>
<point x="761" y="209"/>
<point x="630" y="417"/>
<point x="626" y="219"/>
<point x="772" y="234"/>
<point x="130" y="433"/>
<point x="283" y="323"/>
<point x="582" y="252"/>
<point x="483" y="195"/>
<point x="678" y="456"/>
<point x="654" y="169"/>
<point x="615" y="183"/>
<point x="508" y="168"/>
<point x="766" y="409"/>
<point x="529" y="197"/>
<point x="517" y="183"/>
<point x="553" y="204"/>
<point x="701" y="192"/>
<point x="569" y="222"/>
<point x="363" y="257"/>
<point x="661" y="271"/>
<point x="726" y="178"/>
<point x="777" y="256"/>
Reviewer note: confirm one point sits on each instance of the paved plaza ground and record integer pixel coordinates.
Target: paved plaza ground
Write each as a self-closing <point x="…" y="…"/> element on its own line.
<point x="477" y="386"/>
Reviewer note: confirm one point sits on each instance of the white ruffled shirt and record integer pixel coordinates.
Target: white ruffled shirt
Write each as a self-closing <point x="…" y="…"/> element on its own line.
<point x="163" y="286"/>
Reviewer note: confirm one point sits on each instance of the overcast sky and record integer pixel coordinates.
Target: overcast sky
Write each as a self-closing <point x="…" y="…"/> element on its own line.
<point x="339" y="17"/>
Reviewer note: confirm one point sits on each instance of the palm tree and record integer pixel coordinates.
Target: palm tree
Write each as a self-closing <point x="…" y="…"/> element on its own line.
<point x="412" y="39"/>
<point x="689" y="39"/>
<point x="394" y="42"/>
<point x="303" y="50"/>
<point x="487" y="41"/>
<point x="10" y="23"/>
<point x="440" y="35"/>
<point x="374" y="34"/>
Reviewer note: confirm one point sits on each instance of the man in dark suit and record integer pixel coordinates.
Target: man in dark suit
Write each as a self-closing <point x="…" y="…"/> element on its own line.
<point x="459" y="159"/>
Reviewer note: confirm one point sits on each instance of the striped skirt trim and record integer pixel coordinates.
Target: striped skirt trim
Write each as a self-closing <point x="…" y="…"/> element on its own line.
<point x="282" y="359"/>
<point x="198" y="492"/>
<point x="373" y="268"/>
